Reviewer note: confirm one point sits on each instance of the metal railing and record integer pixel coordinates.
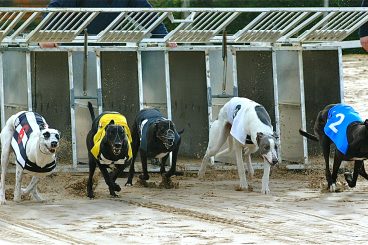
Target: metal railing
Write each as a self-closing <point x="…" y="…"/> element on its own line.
<point x="201" y="25"/>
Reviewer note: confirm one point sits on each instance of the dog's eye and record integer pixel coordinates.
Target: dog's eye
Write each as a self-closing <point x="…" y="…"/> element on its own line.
<point x="57" y="136"/>
<point x="46" y="135"/>
<point x="267" y="147"/>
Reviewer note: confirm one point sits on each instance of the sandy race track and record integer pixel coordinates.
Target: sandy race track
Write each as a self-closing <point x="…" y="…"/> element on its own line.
<point x="298" y="211"/>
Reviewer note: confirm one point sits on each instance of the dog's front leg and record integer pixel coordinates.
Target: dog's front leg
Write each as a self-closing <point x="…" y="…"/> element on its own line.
<point x="108" y="181"/>
<point x="335" y="169"/>
<point x="363" y="173"/>
<point x="266" y="178"/>
<point x="131" y="173"/>
<point x="18" y="183"/>
<point x="33" y="189"/>
<point x="114" y="175"/>
<point x="351" y="179"/>
<point x="144" y="176"/>
<point x="239" y="162"/>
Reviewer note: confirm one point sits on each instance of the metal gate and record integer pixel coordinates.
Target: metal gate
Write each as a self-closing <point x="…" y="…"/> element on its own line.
<point x="277" y="58"/>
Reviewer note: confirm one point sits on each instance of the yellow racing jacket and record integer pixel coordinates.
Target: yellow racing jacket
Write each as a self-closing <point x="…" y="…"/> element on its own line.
<point x="103" y="122"/>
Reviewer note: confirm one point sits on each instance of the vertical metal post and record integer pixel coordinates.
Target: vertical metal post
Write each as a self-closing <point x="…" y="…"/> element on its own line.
<point x="140" y="80"/>
<point x="302" y="104"/>
<point x="341" y="75"/>
<point x="276" y="100"/>
<point x="72" y="109"/>
<point x="235" y="74"/>
<point x="2" y="100"/>
<point x="209" y="94"/>
<point x="168" y="88"/>
<point x="85" y="63"/>
<point x="29" y="80"/>
<point x="99" y="82"/>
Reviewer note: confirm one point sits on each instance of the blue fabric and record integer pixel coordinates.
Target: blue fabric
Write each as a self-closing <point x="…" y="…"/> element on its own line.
<point x="339" y="118"/>
<point x="104" y="19"/>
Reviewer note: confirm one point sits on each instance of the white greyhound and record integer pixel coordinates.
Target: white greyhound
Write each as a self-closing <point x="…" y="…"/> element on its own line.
<point x="246" y="124"/>
<point x="34" y="145"/>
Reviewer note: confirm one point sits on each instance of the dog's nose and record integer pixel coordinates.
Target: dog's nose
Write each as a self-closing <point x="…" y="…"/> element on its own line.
<point x="54" y="144"/>
<point x="274" y="161"/>
<point x="117" y="145"/>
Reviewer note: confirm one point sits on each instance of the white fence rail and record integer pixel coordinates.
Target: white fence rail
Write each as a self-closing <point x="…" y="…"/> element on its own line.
<point x="199" y="25"/>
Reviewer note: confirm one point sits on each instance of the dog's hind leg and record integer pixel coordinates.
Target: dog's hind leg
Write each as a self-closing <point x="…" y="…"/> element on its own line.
<point x="325" y="144"/>
<point x="217" y="137"/>
<point x="240" y="165"/>
<point x="6" y="136"/>
<point x="351" y="179"/>
<point x="32" y="189"/>
<point x="92" y="168"/>
<point x="363" y="173"/>
<point x="228" y="149"/>
<point x="250" y="170"/>
<point x="18" y="183"/>
<point x="135" y="147"/>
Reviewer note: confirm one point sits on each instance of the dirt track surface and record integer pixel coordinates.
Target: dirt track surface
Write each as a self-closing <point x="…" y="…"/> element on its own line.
<point x="298" y="211"/>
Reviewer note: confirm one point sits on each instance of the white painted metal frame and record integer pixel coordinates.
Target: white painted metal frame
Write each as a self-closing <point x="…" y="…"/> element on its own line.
<point x="202" y="25"/>
<point x="2" y="100"/>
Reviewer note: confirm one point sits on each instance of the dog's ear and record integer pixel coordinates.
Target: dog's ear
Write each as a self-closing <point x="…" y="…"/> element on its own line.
<point x="259" y="137"/>
<point x="366" y="123"/>
<point x="42" y="126"/>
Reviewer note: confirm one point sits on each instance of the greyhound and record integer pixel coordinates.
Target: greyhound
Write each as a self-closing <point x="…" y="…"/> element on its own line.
<point x="341" y="125"/>
<point x="239" y="119"/>
<point x="34" y="145"/>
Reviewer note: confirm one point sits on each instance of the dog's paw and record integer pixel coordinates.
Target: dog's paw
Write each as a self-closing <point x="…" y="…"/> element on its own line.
<point x="349" y="179"/>
<point x="90" y="195"/>
<point x="129" y="184"/>
<point x="114" y="195"/>
<point x="333" y="187"/>
<point x="266" y="191"/>
<point x="117" y="187"/>
<point x="143" y="177"/>
<point x="201" y="174"/>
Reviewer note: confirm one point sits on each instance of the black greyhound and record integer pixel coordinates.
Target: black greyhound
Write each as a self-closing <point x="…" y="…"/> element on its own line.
<point x="356" y="134"/>
<point x="114" y="146"/>
<point x="155" y="137"/>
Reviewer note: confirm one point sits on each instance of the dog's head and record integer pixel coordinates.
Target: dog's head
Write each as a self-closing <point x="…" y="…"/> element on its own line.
<point x="165" y="132"/>
<point x="116" y="137"/>
<point x="267" y="145"/>
<point x="49" y="139"/>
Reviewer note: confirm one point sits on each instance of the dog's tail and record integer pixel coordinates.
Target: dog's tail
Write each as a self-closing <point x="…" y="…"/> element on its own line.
<point x="91" y="111"/>
<point x="308" y="135"/>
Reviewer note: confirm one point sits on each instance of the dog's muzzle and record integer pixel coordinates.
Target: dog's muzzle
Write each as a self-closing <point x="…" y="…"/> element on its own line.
<point x="167" y="138"/>
<point x="116" y="149"/>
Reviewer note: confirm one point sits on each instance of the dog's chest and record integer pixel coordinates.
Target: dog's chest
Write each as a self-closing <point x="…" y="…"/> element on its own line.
<point x="105" y="161"/>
